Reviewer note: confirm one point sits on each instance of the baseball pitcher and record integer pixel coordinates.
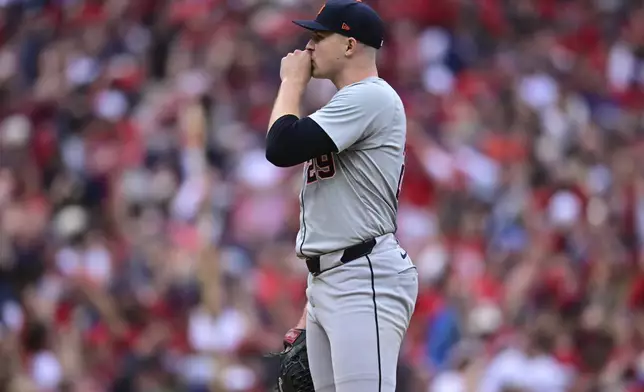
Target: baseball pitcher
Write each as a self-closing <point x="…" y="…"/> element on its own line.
<point x="362" y="285"/>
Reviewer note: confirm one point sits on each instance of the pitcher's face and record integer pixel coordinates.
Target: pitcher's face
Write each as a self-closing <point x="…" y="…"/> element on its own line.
<point x="327" y="54"/>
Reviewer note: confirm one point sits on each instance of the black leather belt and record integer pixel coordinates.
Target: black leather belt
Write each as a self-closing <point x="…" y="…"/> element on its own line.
<point x="351" y="253"/>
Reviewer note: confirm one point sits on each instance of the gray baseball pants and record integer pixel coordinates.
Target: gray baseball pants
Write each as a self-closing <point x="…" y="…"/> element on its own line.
<point x="357" y="316"/>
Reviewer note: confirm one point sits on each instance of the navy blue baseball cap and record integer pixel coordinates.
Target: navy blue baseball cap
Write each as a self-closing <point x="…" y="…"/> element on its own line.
<point x="351" y="18"/>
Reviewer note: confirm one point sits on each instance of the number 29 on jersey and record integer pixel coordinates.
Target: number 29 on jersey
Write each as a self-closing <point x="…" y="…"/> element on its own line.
<point x="320" y="168"/>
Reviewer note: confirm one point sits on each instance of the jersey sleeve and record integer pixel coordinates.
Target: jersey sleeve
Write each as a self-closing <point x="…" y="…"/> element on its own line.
<point x="350" y="113"/>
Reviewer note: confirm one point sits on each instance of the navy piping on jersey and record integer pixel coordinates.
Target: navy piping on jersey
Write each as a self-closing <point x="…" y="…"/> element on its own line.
<point x="292" y="141"/>
<point x="375" y="313"/>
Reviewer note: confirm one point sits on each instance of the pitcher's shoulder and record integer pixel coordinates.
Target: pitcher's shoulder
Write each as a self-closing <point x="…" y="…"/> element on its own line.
<point x="388" y="96"/>
<point x="394" y="99"/>
<point x="385" y="88"/>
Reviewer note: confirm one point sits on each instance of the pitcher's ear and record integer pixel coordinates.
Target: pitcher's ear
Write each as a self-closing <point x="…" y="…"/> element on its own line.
<point x="352" y="45"/>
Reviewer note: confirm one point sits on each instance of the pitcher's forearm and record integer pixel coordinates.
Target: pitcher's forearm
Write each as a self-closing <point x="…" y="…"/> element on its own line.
<point x="302" y="323"/>
<point x="289" y="98"/>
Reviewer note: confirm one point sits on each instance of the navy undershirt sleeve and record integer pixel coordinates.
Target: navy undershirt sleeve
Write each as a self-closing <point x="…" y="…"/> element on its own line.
<point x="292" y="141"/>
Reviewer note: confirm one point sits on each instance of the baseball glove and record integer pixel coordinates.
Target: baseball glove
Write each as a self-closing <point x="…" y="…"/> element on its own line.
<point x="294" y="374"/>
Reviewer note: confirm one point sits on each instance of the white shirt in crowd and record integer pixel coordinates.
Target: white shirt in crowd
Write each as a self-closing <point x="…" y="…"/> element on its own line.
<point x="512" y="368"/>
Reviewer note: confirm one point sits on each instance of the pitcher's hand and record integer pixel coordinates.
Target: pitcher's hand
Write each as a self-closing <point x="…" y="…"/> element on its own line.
<point x="296" y="67"/>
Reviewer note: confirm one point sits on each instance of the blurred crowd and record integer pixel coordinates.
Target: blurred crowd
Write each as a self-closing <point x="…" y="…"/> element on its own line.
<point x="147" y="245"/>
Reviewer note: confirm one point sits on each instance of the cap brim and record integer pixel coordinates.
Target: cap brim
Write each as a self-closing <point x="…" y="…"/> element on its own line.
<point x="311" y="25"/>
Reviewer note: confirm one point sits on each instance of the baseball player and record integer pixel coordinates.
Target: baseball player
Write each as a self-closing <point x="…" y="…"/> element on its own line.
<point x="362" y="285"/>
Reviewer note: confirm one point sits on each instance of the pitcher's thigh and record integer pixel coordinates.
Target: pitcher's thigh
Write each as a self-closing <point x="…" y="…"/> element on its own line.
<point x="366" y="326"/>
<point x="319" y="356"/>
<point x="364" y="358"/>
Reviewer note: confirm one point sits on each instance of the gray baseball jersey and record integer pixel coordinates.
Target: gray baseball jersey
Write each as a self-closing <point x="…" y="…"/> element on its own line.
<point x="351" y="196"/>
